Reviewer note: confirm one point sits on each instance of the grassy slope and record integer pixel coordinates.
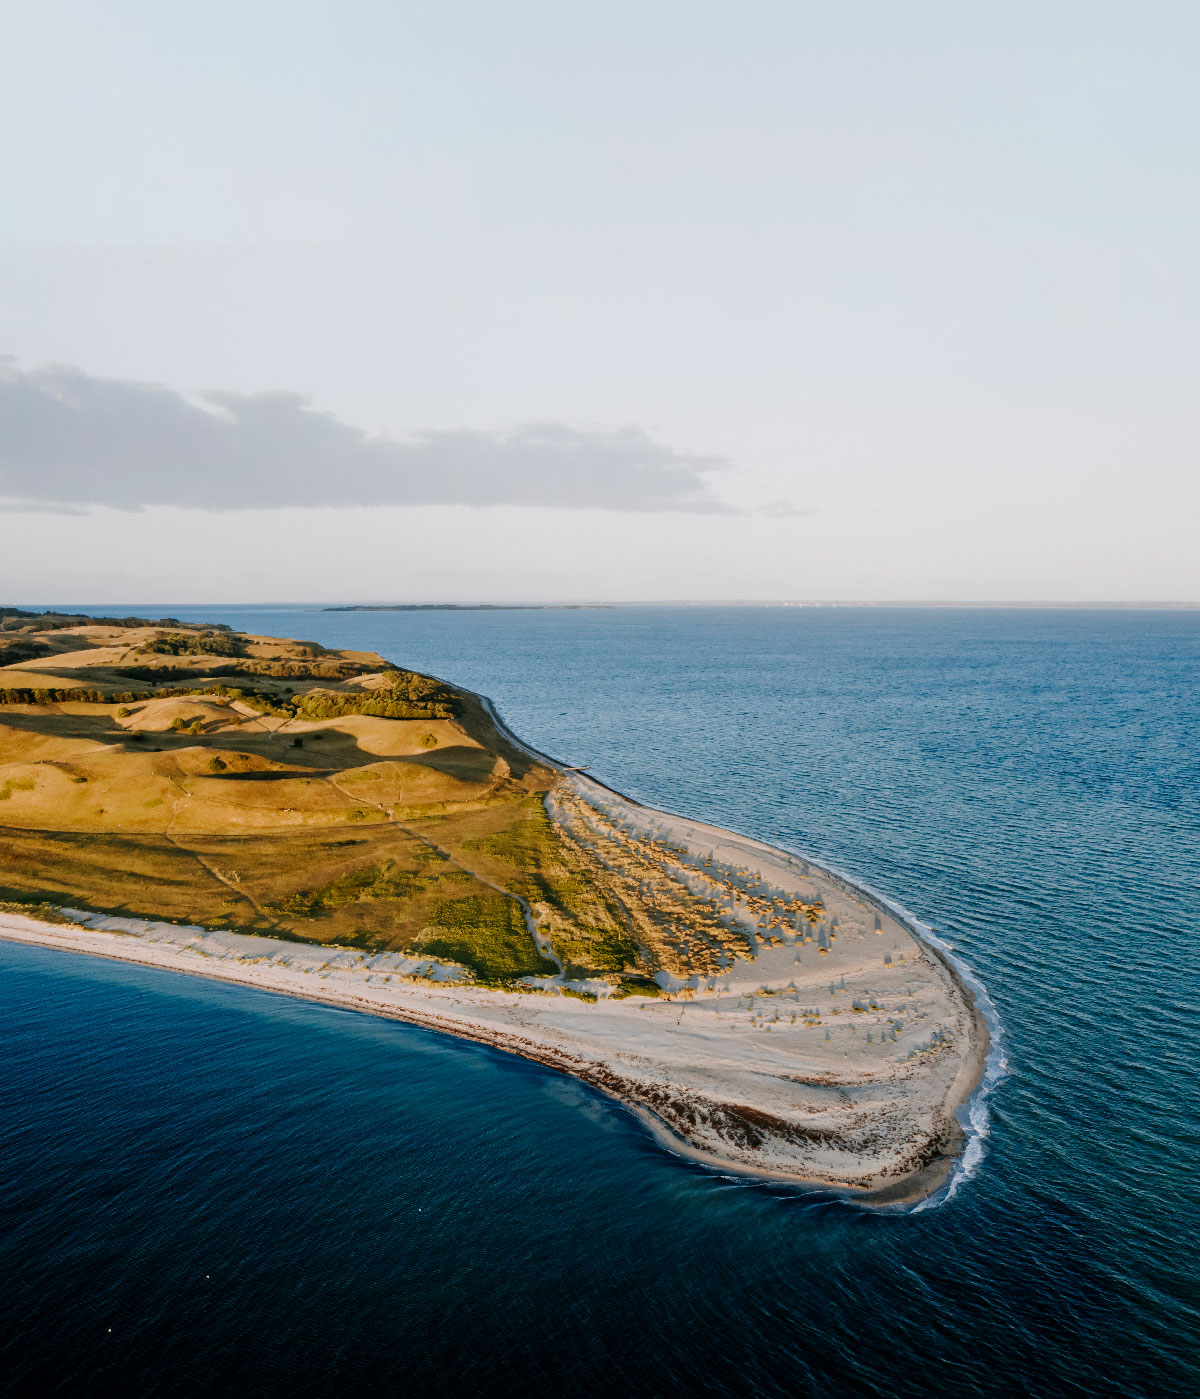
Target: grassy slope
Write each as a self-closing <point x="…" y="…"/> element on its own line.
<point x="384" y="833"/>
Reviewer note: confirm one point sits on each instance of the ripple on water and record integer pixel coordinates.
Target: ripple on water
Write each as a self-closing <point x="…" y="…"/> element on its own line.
<point x="388" y="1209"/>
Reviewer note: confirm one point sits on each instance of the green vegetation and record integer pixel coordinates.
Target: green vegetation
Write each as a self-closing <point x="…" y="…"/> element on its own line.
<point x="39" y="909"/>
<point x="287" y="669"/>
<point x="202" y="643"/>
<point x="202" y="818"/>
<point x="579" y="995"/>
<point x="14" y="652"/>
<point x="385" y="880"/>
<point x="407" y="696"/>
<point x="586" y="929"/>
<point x="17" y="619"/>
<point x="485" y="933"/>
<point x="84" y="694"/>
<point x="326" y="704"/>
<point x="637" y="986"/>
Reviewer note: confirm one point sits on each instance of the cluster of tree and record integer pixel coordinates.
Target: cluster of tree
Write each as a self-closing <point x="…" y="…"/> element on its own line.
<point x="417" y="689"/>
<point x="17" y="619"/>
<point x="409" y="696"/>
<point x="13" y="652"/>
<point x="257" y="699"/>
<point x="86" y="695"/>
<point x="196" y="643"/>
<point x="325" y="704"/>
<point x="283" y="670"/>
<point x="79" y="695"/>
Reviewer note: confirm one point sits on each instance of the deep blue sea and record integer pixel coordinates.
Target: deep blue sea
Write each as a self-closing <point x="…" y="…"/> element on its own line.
<point x="212" y="1191"/>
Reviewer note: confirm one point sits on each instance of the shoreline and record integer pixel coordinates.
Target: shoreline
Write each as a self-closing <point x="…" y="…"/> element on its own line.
<point x="983" y="1066"/>
<point x="120" y="947"/>
<point x="882" y="1129"/>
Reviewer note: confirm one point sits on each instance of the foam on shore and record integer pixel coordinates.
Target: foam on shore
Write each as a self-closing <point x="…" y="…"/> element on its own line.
<point x="885" y="1124"/>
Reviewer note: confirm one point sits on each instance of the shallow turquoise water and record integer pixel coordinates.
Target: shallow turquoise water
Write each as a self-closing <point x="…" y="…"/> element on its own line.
<point x="262" y="1196"/>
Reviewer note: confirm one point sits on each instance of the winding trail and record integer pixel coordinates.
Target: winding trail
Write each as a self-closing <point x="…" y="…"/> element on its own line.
<point x="539" y="939"/>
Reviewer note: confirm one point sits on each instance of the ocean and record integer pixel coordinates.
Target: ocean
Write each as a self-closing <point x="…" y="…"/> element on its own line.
<point x="212" y="1190"/>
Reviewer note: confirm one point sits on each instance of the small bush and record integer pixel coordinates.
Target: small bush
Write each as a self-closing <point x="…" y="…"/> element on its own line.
<point x="39" y="909"/>
<point x="637" y="986"/>
<point x="205" y="643"/>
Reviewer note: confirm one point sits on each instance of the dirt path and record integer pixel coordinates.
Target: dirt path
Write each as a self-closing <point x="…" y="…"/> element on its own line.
<point x="540" y="941"/>
<point x="234" y="885"/>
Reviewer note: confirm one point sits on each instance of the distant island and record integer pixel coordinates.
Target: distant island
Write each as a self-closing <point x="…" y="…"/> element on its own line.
<point x="474" y="607"/>
<point x="323" y="823"/>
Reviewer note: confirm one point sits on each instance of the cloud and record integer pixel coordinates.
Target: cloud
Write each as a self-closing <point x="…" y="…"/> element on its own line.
<point x="69" y="440"/>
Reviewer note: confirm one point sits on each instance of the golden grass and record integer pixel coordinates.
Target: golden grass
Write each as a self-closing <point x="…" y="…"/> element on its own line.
<point x="408" y="834"/>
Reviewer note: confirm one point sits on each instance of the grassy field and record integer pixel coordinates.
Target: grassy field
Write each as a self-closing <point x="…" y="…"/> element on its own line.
<point x="325" y="796"/>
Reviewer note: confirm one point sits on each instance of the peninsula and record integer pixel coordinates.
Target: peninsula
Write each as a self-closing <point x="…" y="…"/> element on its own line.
<point x="324" y="824"/>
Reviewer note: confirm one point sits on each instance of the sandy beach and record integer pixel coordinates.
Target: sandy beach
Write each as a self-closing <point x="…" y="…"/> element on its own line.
<point x="380" y="840"/>
<point x="837" y="1056"/>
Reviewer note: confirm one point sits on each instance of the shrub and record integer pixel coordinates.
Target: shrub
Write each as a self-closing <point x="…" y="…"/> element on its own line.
<point x="487" y="934"/>
<point x="380" y="881"/>
<point x="205" y="643"/>
<point x="637" y="986"/>
<point x="39" y="909"/>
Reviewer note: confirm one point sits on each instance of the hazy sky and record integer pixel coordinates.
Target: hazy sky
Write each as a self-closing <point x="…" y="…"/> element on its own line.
<point x="564" y="300"/>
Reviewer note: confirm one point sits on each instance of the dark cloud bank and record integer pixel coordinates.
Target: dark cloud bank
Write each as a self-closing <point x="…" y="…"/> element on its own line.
<point x="68" y="440"/>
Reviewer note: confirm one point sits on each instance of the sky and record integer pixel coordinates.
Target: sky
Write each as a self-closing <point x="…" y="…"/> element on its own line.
<point x="525" y="301"/>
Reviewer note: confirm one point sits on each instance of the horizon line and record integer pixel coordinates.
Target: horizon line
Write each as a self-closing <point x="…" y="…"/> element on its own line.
<point x="1161" y="605"/>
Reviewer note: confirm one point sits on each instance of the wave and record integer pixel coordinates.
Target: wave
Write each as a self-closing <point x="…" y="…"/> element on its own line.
<point x="974" y="1116"/>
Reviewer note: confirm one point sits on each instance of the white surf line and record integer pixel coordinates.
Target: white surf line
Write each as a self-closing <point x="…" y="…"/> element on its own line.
<point x="974" y="1116"/>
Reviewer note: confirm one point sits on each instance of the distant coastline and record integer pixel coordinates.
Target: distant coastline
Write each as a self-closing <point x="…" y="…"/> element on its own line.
<point x="474" y="607"/>
<point x="899" y="605"/>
